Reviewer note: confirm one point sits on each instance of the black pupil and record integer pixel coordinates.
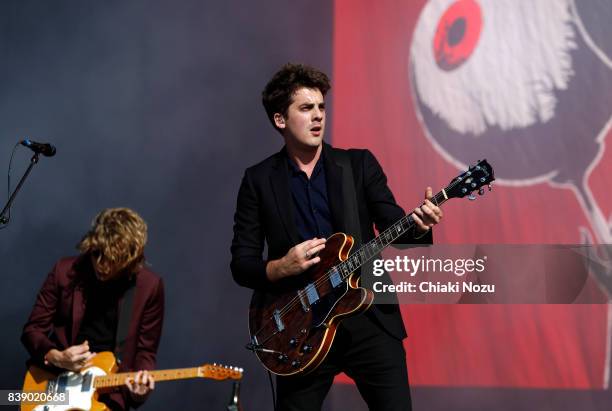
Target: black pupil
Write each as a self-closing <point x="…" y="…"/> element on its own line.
<point x="456" y="32"/>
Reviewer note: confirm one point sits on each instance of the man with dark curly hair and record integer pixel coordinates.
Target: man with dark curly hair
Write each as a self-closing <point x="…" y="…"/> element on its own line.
<point x="77" y="310"/>
<point x="294" y="200"/>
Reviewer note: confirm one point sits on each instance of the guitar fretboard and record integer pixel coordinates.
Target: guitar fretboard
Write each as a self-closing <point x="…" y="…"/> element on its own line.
<point x="114" y="380"/>
<point x="375" y="246"/>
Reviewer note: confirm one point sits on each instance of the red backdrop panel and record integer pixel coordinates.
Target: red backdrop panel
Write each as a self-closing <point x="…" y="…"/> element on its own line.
<point x="511" y="345"/>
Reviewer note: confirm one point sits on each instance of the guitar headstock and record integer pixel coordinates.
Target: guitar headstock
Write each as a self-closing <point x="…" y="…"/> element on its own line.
<point x="220" y="372"/>
<point x="474" y="178"/>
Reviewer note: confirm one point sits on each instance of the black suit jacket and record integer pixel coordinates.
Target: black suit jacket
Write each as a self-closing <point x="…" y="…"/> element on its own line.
<point x="264" y="213"/>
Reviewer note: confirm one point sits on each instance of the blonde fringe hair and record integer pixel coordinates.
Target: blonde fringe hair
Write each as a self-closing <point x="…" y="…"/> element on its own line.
<point x="116" y="240"/>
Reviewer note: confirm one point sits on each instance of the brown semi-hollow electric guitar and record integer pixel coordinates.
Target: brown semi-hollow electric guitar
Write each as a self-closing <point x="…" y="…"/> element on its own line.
<point x="292" y="328"/>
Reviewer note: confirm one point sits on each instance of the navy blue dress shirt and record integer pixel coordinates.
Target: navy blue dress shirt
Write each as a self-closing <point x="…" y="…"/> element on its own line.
<point x="310" y="202"/>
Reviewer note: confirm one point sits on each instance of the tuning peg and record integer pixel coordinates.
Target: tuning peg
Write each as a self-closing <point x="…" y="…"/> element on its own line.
<point x="471" y="197"/>
<point x="481" y="191"/>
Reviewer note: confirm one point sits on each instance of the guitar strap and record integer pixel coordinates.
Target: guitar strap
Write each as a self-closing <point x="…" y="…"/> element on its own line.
<point x="352" y="225"/>
<point x="123" y="323"/>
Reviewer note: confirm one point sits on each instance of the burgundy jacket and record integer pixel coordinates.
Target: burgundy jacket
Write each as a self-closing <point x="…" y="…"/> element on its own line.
<point x="60" y="307"/>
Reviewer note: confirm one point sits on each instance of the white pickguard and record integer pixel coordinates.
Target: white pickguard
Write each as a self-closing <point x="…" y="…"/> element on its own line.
<point x="79" y="399"/>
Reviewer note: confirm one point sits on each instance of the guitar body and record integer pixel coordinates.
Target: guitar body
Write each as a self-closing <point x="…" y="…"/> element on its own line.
<point x="79" y="386"/>
<point x="292" y="329"/>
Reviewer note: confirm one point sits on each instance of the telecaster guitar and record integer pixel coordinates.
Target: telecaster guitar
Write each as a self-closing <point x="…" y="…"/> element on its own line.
<point x="83" y="387"/>
<point x="292" y="328"/>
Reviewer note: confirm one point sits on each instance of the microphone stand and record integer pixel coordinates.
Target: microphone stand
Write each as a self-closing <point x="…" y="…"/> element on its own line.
<point x="3" y="219"/>
<point x="234" y="403"/>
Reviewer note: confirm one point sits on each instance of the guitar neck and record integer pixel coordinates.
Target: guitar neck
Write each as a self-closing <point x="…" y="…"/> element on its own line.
<point x="115" y="380"/>
<point x="383" y="240"/>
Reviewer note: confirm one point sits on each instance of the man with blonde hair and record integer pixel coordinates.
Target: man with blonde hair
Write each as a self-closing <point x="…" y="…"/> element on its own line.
<point x="78" y="308"/>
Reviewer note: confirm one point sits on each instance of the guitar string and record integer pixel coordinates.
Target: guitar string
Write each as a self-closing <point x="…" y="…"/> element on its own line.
<point x="344" y="264"/>
<point x="294" y="302"/>
<point x="101" y="381"/>
<point x="392" y="229"/>
<point x="341" y="267"/>
<point x="392" y="232"/>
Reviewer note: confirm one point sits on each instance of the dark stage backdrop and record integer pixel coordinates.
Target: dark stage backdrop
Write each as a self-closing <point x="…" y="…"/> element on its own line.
<point x="153" y="105"/>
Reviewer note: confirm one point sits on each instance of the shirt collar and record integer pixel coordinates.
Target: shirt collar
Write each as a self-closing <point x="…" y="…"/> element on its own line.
<point x="295" y="170"/>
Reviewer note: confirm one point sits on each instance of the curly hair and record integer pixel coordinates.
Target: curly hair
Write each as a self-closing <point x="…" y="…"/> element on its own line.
<point x="278" y="93"/>
<point x="115" y="241"/>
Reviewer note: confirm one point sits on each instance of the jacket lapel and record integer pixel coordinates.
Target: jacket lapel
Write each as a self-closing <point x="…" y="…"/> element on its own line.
<point x="78" y="311"/>
<point x="81" y="269"/>
<point x="333" y="174"/>
<point x="279" y="181"/>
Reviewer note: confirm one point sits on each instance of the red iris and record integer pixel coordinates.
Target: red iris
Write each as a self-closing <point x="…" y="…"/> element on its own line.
<point x="457" y="34"/>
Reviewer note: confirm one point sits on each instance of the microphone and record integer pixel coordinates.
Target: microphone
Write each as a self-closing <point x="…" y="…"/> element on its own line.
<point x="45" y="149"/>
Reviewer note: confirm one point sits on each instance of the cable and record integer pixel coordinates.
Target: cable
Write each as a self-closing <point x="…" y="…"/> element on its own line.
<point x="257" y="347"/>
<point x="272" y="388"/>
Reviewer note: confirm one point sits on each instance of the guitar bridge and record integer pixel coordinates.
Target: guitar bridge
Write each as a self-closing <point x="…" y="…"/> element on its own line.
<point x="305" y="305"/>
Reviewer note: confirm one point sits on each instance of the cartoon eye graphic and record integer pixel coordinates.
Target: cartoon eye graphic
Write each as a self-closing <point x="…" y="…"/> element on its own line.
<point x="457" y="34"/>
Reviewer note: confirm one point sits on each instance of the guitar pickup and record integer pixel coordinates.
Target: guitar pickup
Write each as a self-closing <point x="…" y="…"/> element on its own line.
<point x="279" y="322"/>
<point x="86" y="384"/>
<point x="312" y="294"/>
<point x="334" y="277"/>
<point x="62" y="384"/>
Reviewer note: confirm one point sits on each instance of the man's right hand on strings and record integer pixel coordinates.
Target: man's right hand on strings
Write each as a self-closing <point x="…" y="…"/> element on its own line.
<point x="297" y="260"/>
<point x="73" y="358"/>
